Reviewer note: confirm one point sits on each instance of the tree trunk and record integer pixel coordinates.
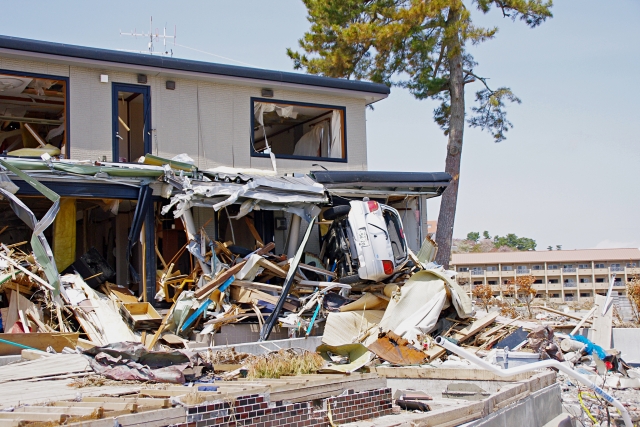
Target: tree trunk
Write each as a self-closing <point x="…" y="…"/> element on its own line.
<point x="446" y="218"/>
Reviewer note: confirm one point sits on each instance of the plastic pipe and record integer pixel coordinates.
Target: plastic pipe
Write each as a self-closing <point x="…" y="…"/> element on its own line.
<point x="534" y="366"/>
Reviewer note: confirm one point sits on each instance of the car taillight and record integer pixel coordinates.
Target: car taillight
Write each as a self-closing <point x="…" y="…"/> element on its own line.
<point x="388" y="267"/>
<point x="402" y="233"/>
<point x="372" y="205"/>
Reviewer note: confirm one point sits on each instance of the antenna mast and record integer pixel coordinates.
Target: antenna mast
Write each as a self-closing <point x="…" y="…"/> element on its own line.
<point x="155" y="36"/>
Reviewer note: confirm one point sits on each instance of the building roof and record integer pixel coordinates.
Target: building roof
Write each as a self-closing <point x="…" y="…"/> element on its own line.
<point x="526" y="257"/>
<point x="9" y="43"/>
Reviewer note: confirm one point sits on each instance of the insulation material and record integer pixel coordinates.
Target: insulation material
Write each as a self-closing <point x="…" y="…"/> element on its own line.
<point x="460" y="299"/>
<point x="368" y="301"/>
<point x="36" y="151"/>
<point x="64" y="234"/>
<point x="357" y="355"/>
<point x="416" y="310"/>
<point x="114" y="328"/>
<point x="352" y="326"/>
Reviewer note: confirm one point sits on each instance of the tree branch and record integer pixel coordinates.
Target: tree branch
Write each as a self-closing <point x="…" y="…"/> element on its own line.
<point x="482" y="79"/>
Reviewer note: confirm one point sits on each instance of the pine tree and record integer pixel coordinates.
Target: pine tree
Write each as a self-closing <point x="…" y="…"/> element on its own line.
<point x="420" y="45"/>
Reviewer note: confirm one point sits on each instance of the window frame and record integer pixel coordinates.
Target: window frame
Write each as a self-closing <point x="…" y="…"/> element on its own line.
<point x="67" y="101"/>
<point x="255" y="153"/>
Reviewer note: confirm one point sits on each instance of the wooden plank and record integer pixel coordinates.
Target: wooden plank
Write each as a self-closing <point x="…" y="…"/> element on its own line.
<point x="57" y="364"/>
<point x="27" y="272"/>
<point x="257" y="285"/>
<point x="601" y="328"/>
<point x="274" y="268"/>
<point x="39" y="341"/>
<point x="464" y="334"/>
<point x="266" y="249"/>
<point x="33" y="416"/>
<point x="322" y="271"/>
<point x="142" y="418"/>
<point x="65" y="410"/>
<point x="253" y="231"/>
<point x="107" y="406"/>
<point x="247" y="296"/>
<point x="213" y="285"/>
<point x="140" y="401"/>
<point x="561" y="313"/>
<point x="446" y="374"/>
<point x="453" y="415"/>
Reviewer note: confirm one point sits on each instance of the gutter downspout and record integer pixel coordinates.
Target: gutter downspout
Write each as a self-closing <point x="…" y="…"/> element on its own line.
<point x="532" y="367"/>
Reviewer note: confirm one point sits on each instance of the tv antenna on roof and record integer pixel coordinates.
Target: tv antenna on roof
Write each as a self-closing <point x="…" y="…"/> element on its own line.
<point x="155" y="36"/>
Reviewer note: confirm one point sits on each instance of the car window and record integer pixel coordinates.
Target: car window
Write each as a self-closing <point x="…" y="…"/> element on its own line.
<point x="395" y="235"/>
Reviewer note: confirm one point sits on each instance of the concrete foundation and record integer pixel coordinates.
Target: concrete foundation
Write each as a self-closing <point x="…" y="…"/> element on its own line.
<point x="535" y="410"/>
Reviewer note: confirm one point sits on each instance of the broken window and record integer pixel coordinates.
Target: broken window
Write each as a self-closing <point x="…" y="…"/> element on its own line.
<point x="553" y="280"/>
<point x="297" y="130"/>
<point x="555" y="295"/>
<point x="599" y="280"/>
<point x="33" y="111"/>
<point x="585" y="294"/>
<point x="493" y="282"/>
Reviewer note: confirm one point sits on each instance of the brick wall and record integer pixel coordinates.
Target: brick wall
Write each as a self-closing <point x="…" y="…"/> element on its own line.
<point x="255" y="410"/>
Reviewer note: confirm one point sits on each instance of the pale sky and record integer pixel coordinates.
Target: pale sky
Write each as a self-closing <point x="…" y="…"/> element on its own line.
<point x="568" y="172"/>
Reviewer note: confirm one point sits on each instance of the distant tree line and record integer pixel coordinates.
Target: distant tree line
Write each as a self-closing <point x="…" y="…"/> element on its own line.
<point x="476" y="242"/>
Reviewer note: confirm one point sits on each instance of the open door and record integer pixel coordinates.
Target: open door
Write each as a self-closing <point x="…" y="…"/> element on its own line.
<point x="131" y="122"/>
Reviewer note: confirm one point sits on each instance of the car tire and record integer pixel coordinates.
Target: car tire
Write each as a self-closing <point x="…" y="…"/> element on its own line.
<point x="350" y="280"/>
<point x="336" y="212"/>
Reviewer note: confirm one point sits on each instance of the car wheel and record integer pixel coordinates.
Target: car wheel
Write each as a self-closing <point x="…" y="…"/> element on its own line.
<point x="350" y="280"/>
<point x="336" y="212"/>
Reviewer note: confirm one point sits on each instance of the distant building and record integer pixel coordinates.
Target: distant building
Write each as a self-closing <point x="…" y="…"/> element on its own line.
<point x="569" y="275"/>
<point x="432" y="226"/>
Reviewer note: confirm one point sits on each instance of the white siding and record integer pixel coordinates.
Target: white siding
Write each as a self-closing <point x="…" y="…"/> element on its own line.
<point x="209" y="121"/>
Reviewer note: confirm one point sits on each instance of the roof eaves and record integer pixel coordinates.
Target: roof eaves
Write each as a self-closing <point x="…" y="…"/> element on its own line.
<point x="113" y="56"/>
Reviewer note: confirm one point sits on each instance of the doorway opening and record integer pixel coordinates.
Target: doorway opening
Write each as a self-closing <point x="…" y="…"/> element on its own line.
<point x="131" y="122"/>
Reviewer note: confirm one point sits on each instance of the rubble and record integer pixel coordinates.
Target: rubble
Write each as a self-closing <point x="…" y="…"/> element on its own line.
<point x="160" y="325"/>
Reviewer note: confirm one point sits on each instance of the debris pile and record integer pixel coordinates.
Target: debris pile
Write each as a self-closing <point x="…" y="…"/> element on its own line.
<point x="155" y="316"/>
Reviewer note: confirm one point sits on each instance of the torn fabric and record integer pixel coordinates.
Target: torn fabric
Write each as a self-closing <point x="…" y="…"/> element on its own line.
<point x="132" y="361"/>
